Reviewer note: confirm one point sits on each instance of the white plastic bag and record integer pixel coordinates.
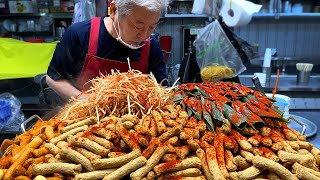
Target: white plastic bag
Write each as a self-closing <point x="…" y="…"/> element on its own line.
<point x="215" y="54"/>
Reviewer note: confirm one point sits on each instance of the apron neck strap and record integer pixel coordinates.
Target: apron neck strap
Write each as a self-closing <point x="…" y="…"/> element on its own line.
<point x="94" y="36"/>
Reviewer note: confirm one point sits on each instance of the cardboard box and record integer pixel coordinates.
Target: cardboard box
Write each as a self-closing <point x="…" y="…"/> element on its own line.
<point x="67" y="6"/>
<point x="20" y="7"/>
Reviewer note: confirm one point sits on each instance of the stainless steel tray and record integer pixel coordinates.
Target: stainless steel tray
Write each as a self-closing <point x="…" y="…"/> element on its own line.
<point x="305" y="126"/>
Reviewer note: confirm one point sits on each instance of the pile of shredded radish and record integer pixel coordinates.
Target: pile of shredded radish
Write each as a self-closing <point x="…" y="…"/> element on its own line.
<point x="118" y="94"/>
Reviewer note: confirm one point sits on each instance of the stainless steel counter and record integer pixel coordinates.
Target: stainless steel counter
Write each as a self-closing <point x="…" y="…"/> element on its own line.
<point x="313" y="116"/>
<point x="286" y="83"/>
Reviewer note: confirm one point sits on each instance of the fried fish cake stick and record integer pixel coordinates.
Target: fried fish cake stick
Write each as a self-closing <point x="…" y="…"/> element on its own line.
<point x="22" y="158"/>
<point x="204" y="165"/>
<point x="88" y="154"/>
<point x="295" y="146"/>
<point x="161" y="127"/>
<point x="152" y="161"/>
<point x="191" y="172"/>
<point x="193" y="144"/>
<point x="77" y="157"/>
<point x="255" y="140"/>
<point x="129" y="140"/>
<point x="189" y="133"/>
<point x="40" y="152"/>
<point x="153" y="144"/>
<point x="240" y="162"/>
<point x="266" y="141"/>
<point x="50" y="168"/>
<point x="126" y="169"/>
<point x="265" y="131"/>
<point x="109" y="135"/>
<point x="229" y="161"/>
<point x="296" y="167"/>
<point x="20" y="170"/>
<point x="275" y="167"/>
<point x="141" y="139"/>
<point x="94" y="175"/>
<point x="54" y="178"/>
<point x="52" y="148"/>
<point x="304" y="145"/>
<point x="88" y="144"/>
<point x="177" y="165"/>
<point x="102" y="141"/>
<point x="64" y="136"/>
<point x="269" y="154"/>
<point x="115" y="154"/>
<point x="247" y="155"/>
<point x="227" y="142"/>
<point x="201" y="126"/>
<point x="213" y="164"/>
<point x="146" y="120"/>
<point x="22" y="178"/>
<point x="89" y="121"/>
<point x="292" y="157"/>
<point x="218" y="143"/>
<point x="249" y="173"/>
<point x="183" y="178"/>
<point x="169" y="157"/>
<point x="115" y="162"/>
<point x="151" y="175"/>
<point x="244" y="144"/>
<point x="170" y="133"/>
<point x="173" y="111"/>
<point x="303" y="173"/>
<point x="33" y="144"/>
<point x="49" y="132"/>
<point x="182" y="151"/>
<point x="153" y="128"/>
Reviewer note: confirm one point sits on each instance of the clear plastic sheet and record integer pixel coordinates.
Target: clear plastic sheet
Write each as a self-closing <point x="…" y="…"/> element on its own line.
<point x="84" y="10"/>
<point x="10" y="121"/>
<point x="213" y="48"/>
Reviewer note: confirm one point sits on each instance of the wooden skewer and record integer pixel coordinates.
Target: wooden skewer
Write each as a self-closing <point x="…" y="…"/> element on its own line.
<point x="274" y="91"/>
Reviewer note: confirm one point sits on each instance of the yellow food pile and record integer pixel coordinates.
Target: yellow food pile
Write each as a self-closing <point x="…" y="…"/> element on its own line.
<point x="215" y="73"/>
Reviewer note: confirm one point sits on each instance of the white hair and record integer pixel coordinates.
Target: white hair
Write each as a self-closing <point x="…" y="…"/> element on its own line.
<point x="126" y="6"/>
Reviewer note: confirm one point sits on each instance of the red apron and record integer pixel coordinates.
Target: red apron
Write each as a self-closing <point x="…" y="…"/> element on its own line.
<point x="94" y="65"/>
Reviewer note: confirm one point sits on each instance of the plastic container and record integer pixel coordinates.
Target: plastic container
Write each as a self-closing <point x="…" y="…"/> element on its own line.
<point x="303" y="77"/>
<point x="283" y="102"/>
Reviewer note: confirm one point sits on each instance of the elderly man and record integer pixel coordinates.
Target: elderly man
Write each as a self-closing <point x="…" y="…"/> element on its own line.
<point x="97" y="46"/>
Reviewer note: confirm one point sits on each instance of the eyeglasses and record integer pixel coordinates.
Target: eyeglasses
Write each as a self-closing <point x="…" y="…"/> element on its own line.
<point x="139" y="28"/>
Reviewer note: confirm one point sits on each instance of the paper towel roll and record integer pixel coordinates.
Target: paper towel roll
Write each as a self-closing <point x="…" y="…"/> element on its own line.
<point x="243" y="11"/>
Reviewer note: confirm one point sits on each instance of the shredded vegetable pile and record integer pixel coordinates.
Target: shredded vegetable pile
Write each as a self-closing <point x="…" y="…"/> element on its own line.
<point x="118" y="94"/>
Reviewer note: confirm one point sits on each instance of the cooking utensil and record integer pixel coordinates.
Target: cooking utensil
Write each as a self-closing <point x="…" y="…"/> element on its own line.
<point x="230" y="11"/>
<point x="274" y="91"/>
<point x="257" y="84"/>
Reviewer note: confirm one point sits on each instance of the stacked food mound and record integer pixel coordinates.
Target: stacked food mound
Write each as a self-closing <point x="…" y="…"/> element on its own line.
<point x="129" y="127"/>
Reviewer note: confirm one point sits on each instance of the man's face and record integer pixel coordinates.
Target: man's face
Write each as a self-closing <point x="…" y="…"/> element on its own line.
<point x="137" y="26"/>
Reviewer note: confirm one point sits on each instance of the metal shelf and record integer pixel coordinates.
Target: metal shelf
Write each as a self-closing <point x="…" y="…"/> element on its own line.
<point x="54" y="15"/>
<point x="40" y="33"/>
<point x="186" y="16"/>
<point x="294" y="15"/>
<point x="182" y="1"/>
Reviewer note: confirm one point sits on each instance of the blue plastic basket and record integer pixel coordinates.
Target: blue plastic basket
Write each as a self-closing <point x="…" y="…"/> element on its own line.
<point x="5" y="110"/>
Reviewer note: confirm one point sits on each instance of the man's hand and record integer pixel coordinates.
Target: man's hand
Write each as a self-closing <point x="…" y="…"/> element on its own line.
<point x="63" y="87"/>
